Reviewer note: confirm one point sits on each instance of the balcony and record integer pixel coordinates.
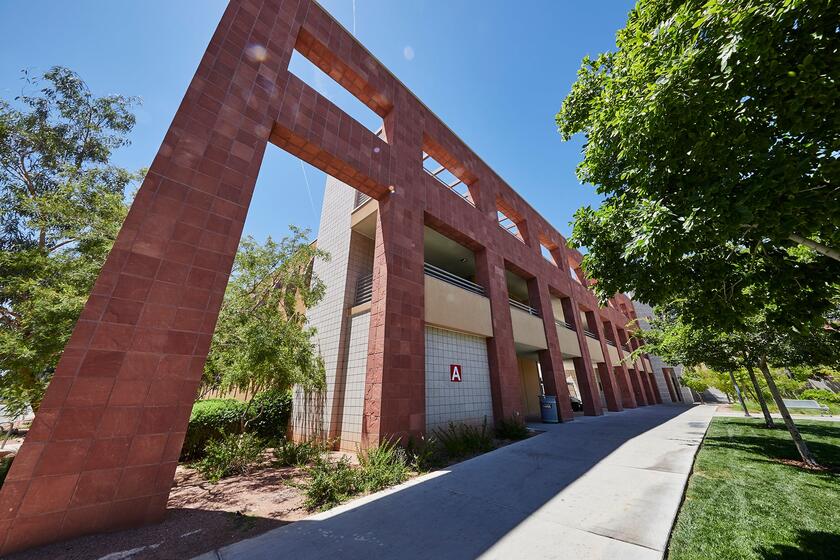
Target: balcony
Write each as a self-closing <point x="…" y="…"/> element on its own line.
<point x="455" y="303"/>
<point x="449" y="278"/>
<point x="567" y="339"/>
<point x="528" y="327"/>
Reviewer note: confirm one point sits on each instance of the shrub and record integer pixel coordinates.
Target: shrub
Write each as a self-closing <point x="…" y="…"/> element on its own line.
<point x="5" y="465"/>
<point x="382" y="466"/>
<point x="291" y="454"/>
<point x="425" y="453"/>
<point x="234" y="454"/>
<point x="823" y="396"/>
<point x="511" y="428"/>
<point x="211" y="420"/>
<point x="269" y="414"/>
<point x="462" y="440"/>
<point x="331" y="483"/>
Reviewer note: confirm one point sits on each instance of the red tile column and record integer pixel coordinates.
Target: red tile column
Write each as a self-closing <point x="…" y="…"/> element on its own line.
<point x="611" y="391"/>
<point x="505" y="385"/>
<point x="103" y="448"/>
<point x="622" y="375"/>
<point x="583" y="366"/>
<point x="551" y="360"/>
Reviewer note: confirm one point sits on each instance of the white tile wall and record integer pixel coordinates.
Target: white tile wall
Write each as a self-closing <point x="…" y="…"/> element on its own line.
<point x="354" y="388"/>
<point x="469" y="401"/>
<point x="329" y="316"/>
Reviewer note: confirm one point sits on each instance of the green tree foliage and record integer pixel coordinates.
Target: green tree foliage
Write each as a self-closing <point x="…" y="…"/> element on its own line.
<point x="61" y="206"/>
<point x="712" y="134"/>
<point x="262" y="341"/>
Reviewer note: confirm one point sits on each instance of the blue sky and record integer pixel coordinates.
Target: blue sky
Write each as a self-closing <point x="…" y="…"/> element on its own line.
<point x="495" y="71"/>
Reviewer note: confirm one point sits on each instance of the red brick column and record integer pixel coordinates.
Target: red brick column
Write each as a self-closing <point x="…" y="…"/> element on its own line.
<point x="551" y="360"/>
<point x="643" y="374"/>
<point x="103" y="448"/>
<point x="605" y="370"/>
<point x="622" y="375"/>
<point x="505" y="385"/>
<point x="395" y="393"/>
<point x="583" y="366"/>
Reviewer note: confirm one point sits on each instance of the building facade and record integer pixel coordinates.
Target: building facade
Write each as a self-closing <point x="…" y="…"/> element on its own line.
<point x="103" y="448"/>
<point x="481" y="360"/>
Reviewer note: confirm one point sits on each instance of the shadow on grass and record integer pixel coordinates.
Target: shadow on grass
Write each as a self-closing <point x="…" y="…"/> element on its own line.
<point x="776" y="445"/>
<point x="810" y="545"/>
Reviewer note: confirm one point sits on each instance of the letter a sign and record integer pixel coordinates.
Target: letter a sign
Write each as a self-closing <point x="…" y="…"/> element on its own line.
<point x="455" y="373"/>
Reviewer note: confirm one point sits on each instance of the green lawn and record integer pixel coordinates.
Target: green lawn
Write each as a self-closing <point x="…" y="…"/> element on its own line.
<point x="742" y="502"/>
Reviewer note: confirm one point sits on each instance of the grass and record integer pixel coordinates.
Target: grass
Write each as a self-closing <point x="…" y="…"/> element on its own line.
<point x="744" y="502"/>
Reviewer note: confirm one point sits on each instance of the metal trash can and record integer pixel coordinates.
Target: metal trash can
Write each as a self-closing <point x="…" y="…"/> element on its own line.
<point x="548" y="409"/>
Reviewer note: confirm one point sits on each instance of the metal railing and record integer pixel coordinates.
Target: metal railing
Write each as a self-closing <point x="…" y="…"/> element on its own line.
<point x="590" y="334"/>
<point x="626" y="348"/>
<point x="564" y="324"/>
<point x="364" y="289"/>
<point x="361" y="198"/>
<point x="610" y="342"/>
<point x="522" y="307"/>
<point x="449" y="278"/>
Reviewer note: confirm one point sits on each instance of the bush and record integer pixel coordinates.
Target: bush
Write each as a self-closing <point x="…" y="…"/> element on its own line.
<point x="234" y="454"/>
<point x="511" y="428"/>
<point x="5" y="465"/>
<point x="382" y="466"/>
<point x="462" y="440"/>
<point x="291" y="454"/>
<point x="211" y="420"/>
<point x="822" y="396"/>
<point x="270" y="413"/>
<point x="425" y="453"/>
<point x="331" y="483"/>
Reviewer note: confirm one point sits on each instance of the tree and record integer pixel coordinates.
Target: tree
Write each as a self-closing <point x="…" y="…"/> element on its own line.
<point x="61" y="206"/>
<point x="712" y="134"/>
<point x="262" y="341"/>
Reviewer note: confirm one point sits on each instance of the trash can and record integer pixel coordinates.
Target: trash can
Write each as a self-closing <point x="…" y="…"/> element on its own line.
<point x="548" y="409"/>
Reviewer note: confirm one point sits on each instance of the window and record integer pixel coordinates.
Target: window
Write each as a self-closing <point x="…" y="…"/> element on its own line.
<point x="509" y="225"/>
<point x="324" y="84"/>
<point x="546" y="253"/>
<point x="447" y="178"/>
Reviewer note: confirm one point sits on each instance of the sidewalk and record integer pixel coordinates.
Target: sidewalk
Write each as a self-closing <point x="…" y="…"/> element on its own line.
<point x="598" y="487"/>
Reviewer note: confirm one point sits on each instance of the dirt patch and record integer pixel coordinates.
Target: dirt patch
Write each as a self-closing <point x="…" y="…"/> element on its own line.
<point x="201" y="517"/>
<point x="805" y="466"/>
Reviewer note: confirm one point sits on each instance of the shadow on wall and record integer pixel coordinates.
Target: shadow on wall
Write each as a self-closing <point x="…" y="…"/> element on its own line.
<point x="445" y="516"/>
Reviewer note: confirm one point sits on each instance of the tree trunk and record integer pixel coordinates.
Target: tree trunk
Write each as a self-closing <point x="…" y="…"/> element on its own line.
<point x="738" y="392"/>
<point x="801" y="446"/>
<point x="768" y="420"/>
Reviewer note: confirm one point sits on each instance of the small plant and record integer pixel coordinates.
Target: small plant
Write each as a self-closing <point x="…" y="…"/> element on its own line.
<point x="235" y="454"/>
<point x="331" y="483"/>
<point x="292" y="454"/>
<point x="382" y="466"/>
<point x="425" y="453"/>
<point x="512" y="429"/>
<point x="462" y="440"/>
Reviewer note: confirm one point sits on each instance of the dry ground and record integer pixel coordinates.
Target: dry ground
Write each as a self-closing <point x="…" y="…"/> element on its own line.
<point x="201" y="516"/>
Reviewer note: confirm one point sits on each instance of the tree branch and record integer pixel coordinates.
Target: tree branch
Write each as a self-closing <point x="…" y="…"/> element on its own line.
<point x="816" y="246"/>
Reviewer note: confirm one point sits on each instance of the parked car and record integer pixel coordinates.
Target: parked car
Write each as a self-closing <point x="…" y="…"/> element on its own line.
<point x="577" y="405"/>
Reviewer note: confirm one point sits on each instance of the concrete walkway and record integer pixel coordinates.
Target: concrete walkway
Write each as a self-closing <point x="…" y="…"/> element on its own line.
<point x="605" y="487"/>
